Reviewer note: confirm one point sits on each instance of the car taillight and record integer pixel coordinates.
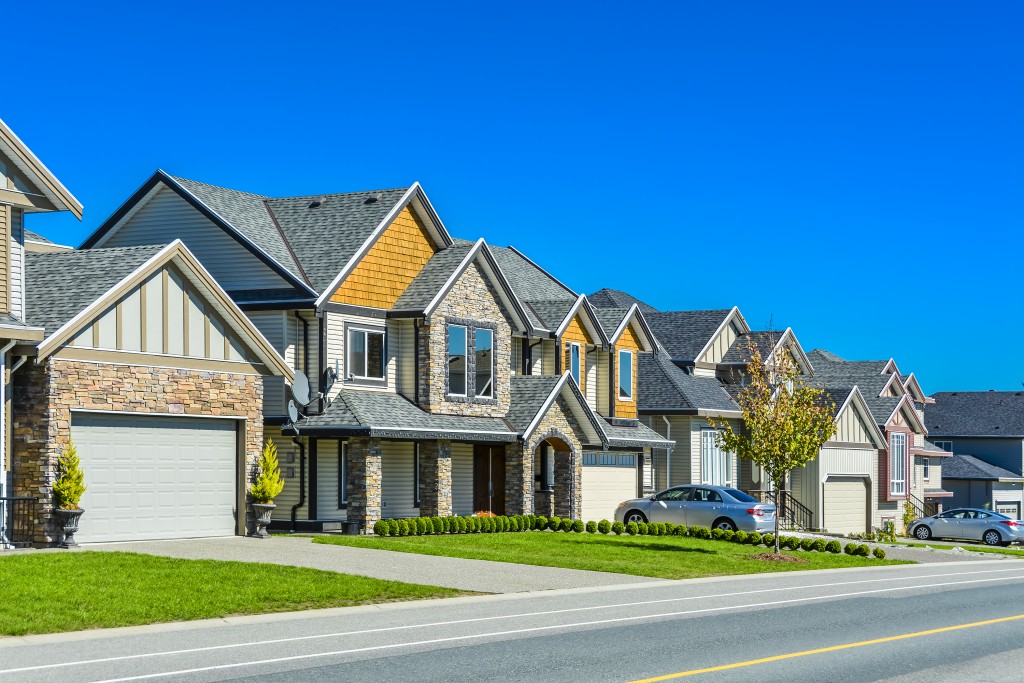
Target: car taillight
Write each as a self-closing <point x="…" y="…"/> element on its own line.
<point x="1010" y="522"/>
<point x="758" y="512"/>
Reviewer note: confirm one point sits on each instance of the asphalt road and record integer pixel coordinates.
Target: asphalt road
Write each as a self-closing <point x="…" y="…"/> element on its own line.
<point x="950" y="622"/>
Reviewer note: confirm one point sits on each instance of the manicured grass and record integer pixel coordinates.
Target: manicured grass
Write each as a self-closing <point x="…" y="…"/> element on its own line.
<point x="54" y="592"/>
<point x="667" y="557"/>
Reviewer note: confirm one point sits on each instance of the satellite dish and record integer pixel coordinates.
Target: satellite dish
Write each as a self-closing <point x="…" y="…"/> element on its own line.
<point x="300" y="388"/>
<point x="328" y="380"/>
<point x="293" y="412"/>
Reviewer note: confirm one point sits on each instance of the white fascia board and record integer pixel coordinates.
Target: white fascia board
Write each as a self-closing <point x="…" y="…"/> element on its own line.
<point x="366" y="245"/>
<point x="912" y="413"/>
<point x="865" y="415"/>
<point x="890" y="366"/>
<point x="596" y="330"/>
<point x="544" y="407"/>
<point x="893" y="379"/>
<point x="453" y="278"/>
<point x="42" y="175"/>
<point x="733" y="314"/>
<point x="916" y="391"/>
<point x="794" y="343"/>
<point x="724" y="414"/>
<point x="569" y="316"/>
<point x="623" y="324"/>
<point x="431" y="217"/>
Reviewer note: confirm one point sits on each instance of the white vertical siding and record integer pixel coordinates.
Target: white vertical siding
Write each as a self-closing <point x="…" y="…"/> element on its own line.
<point x="406" y="356"/>
<point x="271" y="324"/>
<point x="592" y="379"/>
<point x="516" y="358"/>
<point x="131" y="321"/>
<point x="17" y="263"/>
<point x="603" y="397"/>
<point x="196" y="326"/>
<point x="334" y="324"/>
<point x="397" y="479"/>
<point x="154" y="322"/>
<point x="175" y="315"/>
<point x="462" y="478"/>
<point x="107" y="325"/>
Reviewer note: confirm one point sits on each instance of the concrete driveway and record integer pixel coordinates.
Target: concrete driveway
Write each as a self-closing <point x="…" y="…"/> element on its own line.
<point x="471" y="575"/>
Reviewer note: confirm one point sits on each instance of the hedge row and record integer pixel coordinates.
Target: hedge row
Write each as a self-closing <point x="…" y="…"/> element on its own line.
<point x="421" y="526"/>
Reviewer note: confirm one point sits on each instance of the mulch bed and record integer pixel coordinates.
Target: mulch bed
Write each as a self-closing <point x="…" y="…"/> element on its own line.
<point x="772" y="557"/>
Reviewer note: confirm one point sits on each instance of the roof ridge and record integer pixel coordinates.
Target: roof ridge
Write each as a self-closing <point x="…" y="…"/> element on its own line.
<point x="287" y="243"/>
<point x="338" y="194"/>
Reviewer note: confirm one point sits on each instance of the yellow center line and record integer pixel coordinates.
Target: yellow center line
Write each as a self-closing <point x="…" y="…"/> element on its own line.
<point x="822" y="650"/>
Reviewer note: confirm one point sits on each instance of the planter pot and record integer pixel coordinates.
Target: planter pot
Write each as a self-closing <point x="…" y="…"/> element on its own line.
<point x="68" y="521"/>
<point x="262" y="511"/>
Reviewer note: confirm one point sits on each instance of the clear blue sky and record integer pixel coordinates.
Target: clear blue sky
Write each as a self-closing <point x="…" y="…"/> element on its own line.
<point x="852" y="170"/>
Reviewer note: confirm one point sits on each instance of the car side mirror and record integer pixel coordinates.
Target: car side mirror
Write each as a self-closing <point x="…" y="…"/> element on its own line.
<point x="653" y="497"/>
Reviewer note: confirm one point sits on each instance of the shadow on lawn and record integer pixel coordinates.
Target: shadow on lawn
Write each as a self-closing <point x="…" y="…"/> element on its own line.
<point x="664" y="547"/>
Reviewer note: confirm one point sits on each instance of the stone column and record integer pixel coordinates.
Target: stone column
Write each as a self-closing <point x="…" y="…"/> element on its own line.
<point x="568" y="485"/>
<point x="363" y="481"/>
<point x="435" y="478"/>
<point x="519" y="481"/>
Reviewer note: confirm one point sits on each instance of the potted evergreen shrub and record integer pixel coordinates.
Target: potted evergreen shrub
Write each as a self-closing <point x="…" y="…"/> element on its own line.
<point x="266" y="486"/>
<point x="68" y="488"/>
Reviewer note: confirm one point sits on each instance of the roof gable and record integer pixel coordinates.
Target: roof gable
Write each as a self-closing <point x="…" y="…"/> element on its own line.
<point x="31" y="177"/>
<point x="686" y="335"/>
<point x="583" y="315"/>
<point x="534" y="395"/>
<point x="855" y="405"/>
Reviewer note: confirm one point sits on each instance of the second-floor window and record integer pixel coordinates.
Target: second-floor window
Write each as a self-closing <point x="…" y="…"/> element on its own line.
<point x="483" y="345"/>
<point x="472" y="362"/>
<point x="457" y="360"/>
<point x="898" y="463"/>
<point x="926" y="468"/>
<point x="625" y="375"/>
<point x="945" y="445"/>
<point x="365" y="354"/>
<point x="574" y="361"/>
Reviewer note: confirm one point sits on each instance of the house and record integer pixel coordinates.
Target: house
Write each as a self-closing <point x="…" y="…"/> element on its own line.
<point x="446" y="376"/>
<point x="985" y="429"/>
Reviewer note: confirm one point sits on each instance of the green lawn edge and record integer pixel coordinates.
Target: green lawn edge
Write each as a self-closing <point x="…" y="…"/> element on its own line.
<point x="664" y="557"/>
<point x="74" y="591"/>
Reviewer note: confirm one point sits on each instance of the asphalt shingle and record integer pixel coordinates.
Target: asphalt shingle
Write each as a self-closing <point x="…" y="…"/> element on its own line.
<point x="666" y="387"/>
<point x="969" y="467"/>
<point x="528" y="394"/>
<point x="425" y="286"/>
<point x="976" y="413"/>
<point x="683" y="334"/>
<point x="615" y="298"/>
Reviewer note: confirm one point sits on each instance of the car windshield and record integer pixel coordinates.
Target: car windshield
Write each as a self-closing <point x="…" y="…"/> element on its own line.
<point x="740" y="496"/>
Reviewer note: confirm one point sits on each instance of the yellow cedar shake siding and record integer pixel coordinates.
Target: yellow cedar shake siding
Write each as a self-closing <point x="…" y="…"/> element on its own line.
<point x="628" y="341"/>
<point x="576" y="332"/>
<point x="472" y="298"/>
<point x="397" y="257"/>
<point x="5" y="258"/>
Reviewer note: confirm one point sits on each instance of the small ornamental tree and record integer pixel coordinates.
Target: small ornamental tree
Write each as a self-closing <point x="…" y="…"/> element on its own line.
<point x="785" y="421"/>
<point x="268" y="483"/>
<point x="69" y="485"/>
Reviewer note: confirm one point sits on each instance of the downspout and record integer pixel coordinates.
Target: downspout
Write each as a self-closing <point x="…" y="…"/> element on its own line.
<point x="305" y="353"/>
<point x="416" y="361"/>
<point x="321" y="355"/>
<point x="4" y="427"/>
<point x="302" y="482"/>
<point x="611" y="383"/>
<point x="668" y="453"/>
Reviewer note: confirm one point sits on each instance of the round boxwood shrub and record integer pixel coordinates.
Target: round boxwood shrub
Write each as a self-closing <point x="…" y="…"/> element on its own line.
<point x="513" y="524"/>
<point x="754" y="538"/>
<point x="680" y="530"/>
<point x="566" y="524"/>
<point x="819" y="545"/>
<point x="793" y="543"/>
<point x="862" y="551"/>
<point x="768" y="540"/>
<point x="579" y="527"/>
<point x="403" y="527"/>
<point x="506" y="523"/>
<point x="591" y="527"/>
<point x="879" y="553"/>
<point x="618" y="528"/>
<point x="632" y="529"/>
<point x="381" y="527"/>
<point x="462" y="525"/>
<point x="656" y="529"/>
<point x="438" y="525"/>
<point x="834" y="547"/>
<point x="554" y="523"/>
<point x="849" y="548"/>
<point x="700" y="532"/>
<point x="540" y="522"/>
<point x="604" y="526"/>
<point x="728" y="535"/>
<point x="807" y="544"/>
<point x="740" y="537"/>
<point x="717" y="534"/>
<point x="642" y="528"/>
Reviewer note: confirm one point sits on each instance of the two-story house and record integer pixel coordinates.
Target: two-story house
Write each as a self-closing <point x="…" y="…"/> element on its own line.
<point x="447" y="377"/>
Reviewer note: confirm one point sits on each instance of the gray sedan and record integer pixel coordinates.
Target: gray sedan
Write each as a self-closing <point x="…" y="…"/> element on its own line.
<point x="701" y="505"/>
<point x="969" y="524"/>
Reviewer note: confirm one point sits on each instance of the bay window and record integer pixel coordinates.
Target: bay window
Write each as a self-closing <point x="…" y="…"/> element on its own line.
<point x="898" y="464"/>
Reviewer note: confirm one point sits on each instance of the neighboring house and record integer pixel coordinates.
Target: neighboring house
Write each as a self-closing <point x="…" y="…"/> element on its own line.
<point x="979" y="484"/>
<point x="908" y="469"/>
<point x="448" y="377"/>
<point x="988" y="425"/>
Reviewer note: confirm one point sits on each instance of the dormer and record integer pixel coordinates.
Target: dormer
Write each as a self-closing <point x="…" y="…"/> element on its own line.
<point x="718" y="345"/>
<point x="583" y="341"/>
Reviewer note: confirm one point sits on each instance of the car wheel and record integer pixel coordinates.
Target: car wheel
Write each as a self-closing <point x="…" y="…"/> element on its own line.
<point x="923" y="533"/>
<point x="992" y="537"/>
<point x="724" y="524"/>
<point x="635" y="516"/>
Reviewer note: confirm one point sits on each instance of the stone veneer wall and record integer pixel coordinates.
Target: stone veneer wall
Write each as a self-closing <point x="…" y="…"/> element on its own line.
<point x="471" y="299"/>
<point x="45" y="394"/>
<point x="363" y="481"/>
<point x="435" y="478"/>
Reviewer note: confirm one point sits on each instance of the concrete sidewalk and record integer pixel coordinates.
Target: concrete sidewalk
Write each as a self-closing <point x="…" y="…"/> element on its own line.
<point x="471" y="575"/>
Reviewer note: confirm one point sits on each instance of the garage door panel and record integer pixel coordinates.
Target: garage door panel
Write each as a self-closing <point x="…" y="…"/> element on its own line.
<point x="846" y="505"/>
<point x="156" y="477"/>
<point x="604" y="488"/>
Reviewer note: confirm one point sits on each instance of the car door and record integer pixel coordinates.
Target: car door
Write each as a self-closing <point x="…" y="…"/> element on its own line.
<point x="947" y="524"/>
<point x="668" y="506"/>
<point x="704" y="507"/>
<point x="973" y="525"/>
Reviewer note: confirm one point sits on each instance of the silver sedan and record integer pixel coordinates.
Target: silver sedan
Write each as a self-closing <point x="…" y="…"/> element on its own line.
<point x="969" y="524"/>
<point x="715" y="507"/>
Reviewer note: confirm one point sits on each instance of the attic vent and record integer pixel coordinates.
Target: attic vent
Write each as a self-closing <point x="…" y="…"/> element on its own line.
<point x="315" y="204"/>
<point x="373" y="199"/>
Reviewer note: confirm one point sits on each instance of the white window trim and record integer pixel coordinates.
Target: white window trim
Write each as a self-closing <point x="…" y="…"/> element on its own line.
<point x="465" y="361"/>
<point x="709" y="435"/>
<point x="476" y="391"/>
<point x="900" y="458"/>
<point x="926" y="466"/>
<point x="366" y="331"/>
<point x="578" y="376"/>
<point x="618" y="371"/>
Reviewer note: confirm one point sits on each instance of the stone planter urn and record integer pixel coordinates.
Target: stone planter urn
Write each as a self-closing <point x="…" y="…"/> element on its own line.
<point x="262" y="512"/>
<point x="68" y="521"/>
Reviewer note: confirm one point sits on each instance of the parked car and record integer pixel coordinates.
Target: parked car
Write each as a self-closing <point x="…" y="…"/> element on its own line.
<point x="714" y="507"/>
<point x="969" y="524"/>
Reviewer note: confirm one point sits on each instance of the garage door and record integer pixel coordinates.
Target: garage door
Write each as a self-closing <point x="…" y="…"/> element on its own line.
<point x="608" y="479"/>
<point x="1011" y="510"/>
<point x="155" y="477"/>
<point x="846" y="505"/>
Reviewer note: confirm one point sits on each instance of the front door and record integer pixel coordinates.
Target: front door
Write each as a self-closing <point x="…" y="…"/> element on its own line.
<point x="489" y="479"/>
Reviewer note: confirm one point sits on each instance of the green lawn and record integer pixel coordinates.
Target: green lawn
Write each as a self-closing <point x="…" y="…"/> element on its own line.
<point x="54" y="592"/>
<point x="972" y="547"/>
<point x="667" y="557"/>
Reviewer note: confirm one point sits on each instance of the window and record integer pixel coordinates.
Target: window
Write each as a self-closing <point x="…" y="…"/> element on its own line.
<point x="715" y="463"/>
<point x="416" y="475"/>
<point x="483" y="344"/>
<point x="926" y="468"/>
<point x="706" y="496"/>
<point x="574" y="361"/>
<point x="365" y="354"/>
<point x="590" y="458"/>
<point x="674" y="494"/>
<point x="457" y="360"/>
<point x="898" y="464"/>
<point x="741" y="497"/>
<point x="626" y="375"/>
<point x="945" y="445"/>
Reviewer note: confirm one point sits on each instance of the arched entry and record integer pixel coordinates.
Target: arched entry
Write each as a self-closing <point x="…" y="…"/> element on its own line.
<point x="554" y="477"/>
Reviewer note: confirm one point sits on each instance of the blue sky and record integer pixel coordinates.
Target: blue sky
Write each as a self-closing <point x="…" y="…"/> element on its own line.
<point x="850" y="170"/>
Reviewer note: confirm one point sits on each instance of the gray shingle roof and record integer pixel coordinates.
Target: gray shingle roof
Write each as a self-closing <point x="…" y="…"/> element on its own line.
<point x="969" y="467"/>
<point x="532" y="284"/>
<point x="36" y="237"/>
<point x="610" y="319"/>
<point x="639" y="435"/>
<point x="324" y="238"/>
<point x="865" y="375"/>
<point x="425" y="286"/>
<point x="61" y="284"/>
<point x="684" y="333"/>
<point x="976" y="413"/>
<point x="8" y="320"/>
<point x="615" y="298"/>
<point x="528" y="393"/>
<point x="739" y="352"/>
<point x="387" y="415"/>
<point x="549" y="313"/>
<point x="665" y="387"/>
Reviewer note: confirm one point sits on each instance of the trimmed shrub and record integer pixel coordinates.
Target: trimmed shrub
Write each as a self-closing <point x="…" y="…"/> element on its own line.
<point x="554" y="523"/>
<point x="438" y="525"/>
<point x="604" y="526"/>
<point x="728" y="535"/>
<point x="513" y="523"/>
<point x="768" y="540"/>
<point x="819" y="545"/>
<point x="632" y="529"/>
<point x="642" y="528"/>
<point x="566" y="524"/>
<point x="403" y="527"/>
<point x="655" y="529"/>
<point x="717" y="534"/>
<point x="579" y="527"/>
<point x="879" y="553"/>
<point x="850" y="548"/>
<point x="807" y="544"/>
<point x="679" y="530"/>
<point x="591" y="527"/>
<point x="424" y="526"/>
<point x="740" y="537"/>
<point x="754" y="538"/>
<point x="461" y="525"/>
<point x="618" y="528"/>
<point x="862" y="551"/>
<point x="834" y="547"/>
<point x="506" y="523"/>
<point x="540" y="522"/>
<point x="700" y="532"/>
<point x="381" y="527"/>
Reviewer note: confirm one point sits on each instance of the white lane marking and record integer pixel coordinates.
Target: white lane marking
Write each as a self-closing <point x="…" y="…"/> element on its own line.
<point x="404" y="627"/>
<point x="534" y="629"/>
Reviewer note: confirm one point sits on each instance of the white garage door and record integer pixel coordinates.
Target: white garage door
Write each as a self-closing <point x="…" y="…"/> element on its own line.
<point x="845" y="505"/>
<point x="608" y="479"/>
<point x="1011" y="509"/>
<point x="155" y="477"/>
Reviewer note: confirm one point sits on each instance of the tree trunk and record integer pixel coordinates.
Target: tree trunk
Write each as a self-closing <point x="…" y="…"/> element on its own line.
<point x="778" y="510"/>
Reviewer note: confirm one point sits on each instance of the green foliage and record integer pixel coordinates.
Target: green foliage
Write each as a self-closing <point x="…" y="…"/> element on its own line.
<point x="768" y="540"/>
<point x="819" y="545"/>
<point x="438" y="525"/>
<point x="790" y="542"/>
<point x="578" y="526"/>
<point x="740" y="537"/>
<point x="850" y="548"/>
<point x="879" y="553"/>
<point x="267" y="484"/>
<point x="909" y="516"/>
<point x="834" y="547"/>
<point x="461" y="525"/>
<point x="604" y="526"/>
<point x="642" y="528"/>
<point x="728" y="535"/>
<point x="380" y="527"/>
<point x="591" y="527"/>
<point x="403" y="527"/>
<point x="717" y="534"/>
<point x="554" y="523"/>
<point x="618" y="528"/>
<point x="513" y="523"/>
<point x="69" y="485"/>
<point x="632" y="529"/>
<point x="566" y="524"/>
<point x="887" y="534"/>
<point x="393" y="528"/>
<point x="807" y="544"/>
<point x="680" y="530"/>
<point x="540" y="522"/>
<point x="754" y="538"/>
<point x="700" y="532"/>
<point x="655" y="528"/>
<point x="862" y="551"/>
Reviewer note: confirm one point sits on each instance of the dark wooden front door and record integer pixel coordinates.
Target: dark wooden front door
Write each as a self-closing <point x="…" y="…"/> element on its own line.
<point x="489" y="479"/>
